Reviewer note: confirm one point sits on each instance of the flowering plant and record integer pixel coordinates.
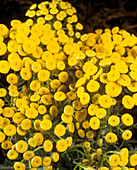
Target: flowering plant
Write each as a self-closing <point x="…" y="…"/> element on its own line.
<point x="69" y="99"/>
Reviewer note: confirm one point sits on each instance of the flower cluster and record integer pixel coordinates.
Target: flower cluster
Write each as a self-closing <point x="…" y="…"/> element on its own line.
<point x="68" y="96"/>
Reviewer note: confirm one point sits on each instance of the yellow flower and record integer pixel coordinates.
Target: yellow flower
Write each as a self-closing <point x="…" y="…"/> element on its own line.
<point x="39" y="137"/>
<point x="48" y="146"/>
<point x="133" y="160"/>
<point x="59" y="96"/>
<point x="12" y="154"/>
<point x="18" y="117"/>
<point x="63" y="76"/>
<point x="3" y="92"/>
<point x="90" y="134"/>
<point x="93" y="86"/>
<point x="128" y="102"/>
<point x="68" y="110"/>
<point x="4" y="30"/>
<point x="60" y="130"/>
<point x="28" y="155"/>
<point x="57" y="25"/>
<point x="68" y="49"/>
<point x="92" y="109"/>
<point x="113" y="75"/>
<point x="4" y="66"/>
<point x="71" y="127"/>
<point x="31" y="113"/>
<point x="3" y="48"/>
<point x="111" y="137"/>
<point x="36" y="161"/>
<point x="101" y="113"/>
<point x="113" y="89"/>
<point x="35" y="85"/>
<point x="10" y="130"/>
<point x="2" y="137"/>
<point x="21" y="146"/>
<point x="32" y="142"/>
<point x="114" y="120"/>
<point x="46" y="99"/>
<point x="42" y="109"/>
<point x="6" y="145"/>
<point x="46" y="124"/>
<point x="94" y="123"/>
<point x="121" y="66"/>
<point x="105" y="101"/>
<point x="95" y="98"/>
<point x="103" y="78"/>
<point x="50" y="64"/>
<point x="66" y="118"/>
<point x="26" y="74"/>
<point x="26" y="124"/>
<point x="114" y="160"/>
<point x="55" y="157"/>
<point x="53" y="47"/>
<point x="46" y="161"/>
<point x="81" y="133"/>
<point x="84" y="98"/>
<point x="127" y="134"/>
<point x="132" y="86"/>
<point x="124" y="80"/>
<point x="62" y="145"/>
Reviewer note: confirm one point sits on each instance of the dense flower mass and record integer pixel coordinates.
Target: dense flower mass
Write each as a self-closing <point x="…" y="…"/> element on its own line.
<point x="69" y="96"/>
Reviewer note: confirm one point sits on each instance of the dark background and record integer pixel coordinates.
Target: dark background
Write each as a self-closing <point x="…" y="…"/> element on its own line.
<point x="93" y="14"/>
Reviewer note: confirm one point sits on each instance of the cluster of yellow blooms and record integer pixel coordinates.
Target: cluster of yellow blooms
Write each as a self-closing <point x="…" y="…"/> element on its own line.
<point x="67" y="92"/>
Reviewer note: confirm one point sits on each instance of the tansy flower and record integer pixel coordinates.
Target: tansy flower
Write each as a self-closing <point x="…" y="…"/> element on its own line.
<point x="39" y="137"/>
<point x="62" y="145"/>
<point x="21" y="146"/>
<point x="46" y="124"/>
<point x="68" y="110"/>
<point x="55" y="156"/>
<point x="6" y="145"/>
<point x="114" y="120"/>
<point x="28" y="155"/>
<point x="127" y="134"/>
<point x="3" y="92"/>
<point x="94" y="123"/>
<point x="48" y="146"/>
<point x="111" y="137"/>
<point x="113" y="89"/>
<point x="12" y="154"/>
<point x="66" y="118"/>
<point x="59" y="130"/>
<point x="92" y="109"/>
<point x="46" y="161"/>
<point x="2" y="137"/>
<point x="133" y="159"/>
<point x="36" y="161"/>
<point x="114" y="160"/>
<point x="85" y="98"/>
<point x="59" y="96"/>
<point x="26" y="124"/>
<point x="93" y="86"/>
<point x="127" y="119"/>
<point x="10" y="130"/>
<point x="105" y="101"/>
<point x="128" y="102"/>
<point x="32" y="142"/>
<point x="101" y="113"/>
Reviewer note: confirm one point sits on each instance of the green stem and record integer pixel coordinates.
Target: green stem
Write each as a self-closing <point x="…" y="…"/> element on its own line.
<point x="120" y="129"/>
<point x="52" y="137"/>
<point x="40" y="147"/>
